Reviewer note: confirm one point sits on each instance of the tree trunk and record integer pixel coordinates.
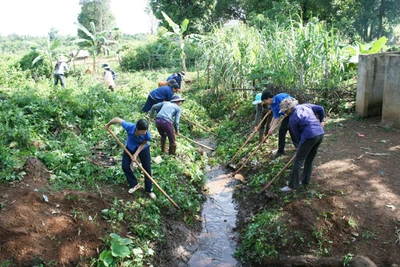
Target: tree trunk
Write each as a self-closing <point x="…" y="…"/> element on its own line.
<point x="380" y="18"/>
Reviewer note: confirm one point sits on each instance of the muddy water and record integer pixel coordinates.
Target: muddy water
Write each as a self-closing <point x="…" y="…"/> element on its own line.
<point x="215" y="245"/>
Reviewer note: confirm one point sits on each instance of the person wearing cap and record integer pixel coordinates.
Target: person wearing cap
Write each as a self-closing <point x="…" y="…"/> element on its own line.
<point x="138" y="145"/>
<point x="261" y="110"/>
<point x="177" y="77"/>
<point x="167" y="120"/>
<point x="59" y="69"/>
<point x="108" y="77"/>
<point x="274" y="102"/>
<point x="163" y="93"/>
<point x="310" y="133"/>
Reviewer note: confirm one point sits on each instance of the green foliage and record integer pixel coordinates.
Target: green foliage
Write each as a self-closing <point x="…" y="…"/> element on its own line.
<point x="41" y="69"/>
<point x="97" y="12"/>
<point x="347" y="259"/>
<point x="261" y="236"/>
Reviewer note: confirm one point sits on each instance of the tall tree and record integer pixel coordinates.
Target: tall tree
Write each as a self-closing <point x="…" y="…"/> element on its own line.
<point x="199" y="12"/>
<point x="98" y="12"/>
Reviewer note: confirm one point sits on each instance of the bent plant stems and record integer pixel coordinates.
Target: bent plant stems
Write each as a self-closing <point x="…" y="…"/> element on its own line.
<point x="248" y="139"/>
<point x="198" y="125"/>
<point x="143" y="170"/>
<point x="195" y="142"/>
<point x="258" y="147"/>
<point x="279" y="174"/>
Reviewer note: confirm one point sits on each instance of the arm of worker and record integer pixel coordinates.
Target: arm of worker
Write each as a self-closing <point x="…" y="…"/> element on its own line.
<point x="258" y="117"/>
<point x="139" y="149"/>
<point x="115" y="120"/>
<point x="176" y="122"/>
<point x="319" y="110"/>
<point x="155" y="107"/>
<point x="273" y="124"/>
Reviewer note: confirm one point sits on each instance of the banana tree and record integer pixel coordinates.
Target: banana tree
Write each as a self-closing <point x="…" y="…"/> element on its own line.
<point x="177" y="36"/>
<point x="45" y="51"/>
<point x="95" y="43"/>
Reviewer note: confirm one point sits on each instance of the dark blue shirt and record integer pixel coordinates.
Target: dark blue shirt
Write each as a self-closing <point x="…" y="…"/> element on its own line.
<point x="134" y="141"/>
<point x="177" y="78"/>
<point x="276" y="101"/>
<point x="304" y="123"/>
<point x="163" y="93"/>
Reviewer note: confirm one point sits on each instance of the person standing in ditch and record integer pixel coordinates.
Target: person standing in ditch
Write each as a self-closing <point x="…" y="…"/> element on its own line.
<point x="274" y="102"/>
<point x="59" y="69"/>
<point x="163" y="93"/>
<point x="310" y="133"/>
<point x="169" y="113"/>
<point x="138" y="145"/>
<point x="261" y="110"/>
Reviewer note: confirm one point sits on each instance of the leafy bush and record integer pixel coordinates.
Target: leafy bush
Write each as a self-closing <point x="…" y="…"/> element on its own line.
<point x="41" y="69"/>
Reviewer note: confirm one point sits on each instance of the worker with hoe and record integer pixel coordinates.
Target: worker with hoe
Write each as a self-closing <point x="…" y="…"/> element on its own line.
<point x="138" y="145"/>
<point x="178" y="77"/>
<point x="167" y="119"/>
<point x="310" y="133"/>
<point x="274" y="102"/>
<point x="163" y="93"/>
<point x="261" y="110"/>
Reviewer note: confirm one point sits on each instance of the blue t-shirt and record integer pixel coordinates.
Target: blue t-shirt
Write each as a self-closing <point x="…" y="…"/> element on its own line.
<point x="163" y="93"/>
<point x="276" y="101"/>
<point x="303" y="122"/>
<point x="133" y="141"/>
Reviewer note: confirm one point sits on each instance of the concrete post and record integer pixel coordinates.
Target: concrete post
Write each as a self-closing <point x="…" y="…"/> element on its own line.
<point x="391" y="94"/>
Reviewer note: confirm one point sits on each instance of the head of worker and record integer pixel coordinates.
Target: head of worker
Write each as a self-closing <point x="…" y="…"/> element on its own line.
<point x="267" y="98"/>
<point x="177" y="99"/>
<point x="286" y="106"/>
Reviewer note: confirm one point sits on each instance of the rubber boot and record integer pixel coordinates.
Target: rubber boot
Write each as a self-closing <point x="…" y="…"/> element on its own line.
<point x="172" y="149"/>
<point x="163" y="146"/>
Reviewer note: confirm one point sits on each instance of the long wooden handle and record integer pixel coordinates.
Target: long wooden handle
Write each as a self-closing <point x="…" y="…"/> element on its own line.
<point x="262" y="142"/>
<point x="279" y="174"/>
<point x="197" y="143"/>
<point x="143" y="170"/>
<point x="251" y="136"/>
<point x="198" y="125"/>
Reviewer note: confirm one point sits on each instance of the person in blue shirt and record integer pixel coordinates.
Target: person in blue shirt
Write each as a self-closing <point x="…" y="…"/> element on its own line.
<point x="163" y="93"/>
<point x="274" y="102"/>
<point x="169" y="113"/>
<point x="138" y="145"/>
<point x="310" y="133"/>
<point x="178" y="77"/>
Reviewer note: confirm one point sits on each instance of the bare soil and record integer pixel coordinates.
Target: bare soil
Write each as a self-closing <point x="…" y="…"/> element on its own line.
<point x="353" y="199"/>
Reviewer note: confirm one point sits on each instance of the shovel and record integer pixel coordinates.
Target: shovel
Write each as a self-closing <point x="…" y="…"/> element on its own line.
<point x="201" y="127"/>
<point x="195" y="142"/>
<point x="248" y="139"/>
<point x="279" y="174"/>
<point x="262" y="142"/>
<point x="143" y="170"/>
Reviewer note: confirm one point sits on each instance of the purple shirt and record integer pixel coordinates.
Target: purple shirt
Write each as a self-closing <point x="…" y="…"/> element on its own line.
<point x="304" y="123"/>
<point x="134" y="141"/>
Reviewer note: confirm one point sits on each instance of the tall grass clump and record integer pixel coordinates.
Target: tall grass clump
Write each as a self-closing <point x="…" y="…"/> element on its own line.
<point x="293" y="55"/>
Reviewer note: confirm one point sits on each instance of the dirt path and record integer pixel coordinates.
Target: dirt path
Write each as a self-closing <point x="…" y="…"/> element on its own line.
<point x="354" y="199"/>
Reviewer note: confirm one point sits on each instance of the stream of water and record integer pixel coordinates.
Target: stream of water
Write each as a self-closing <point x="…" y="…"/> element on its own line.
<point x="216" y="245"/>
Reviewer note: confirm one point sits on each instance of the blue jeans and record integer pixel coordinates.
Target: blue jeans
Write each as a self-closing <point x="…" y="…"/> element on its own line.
<point x="144" y="157"/>
<point x="305" y="155"/>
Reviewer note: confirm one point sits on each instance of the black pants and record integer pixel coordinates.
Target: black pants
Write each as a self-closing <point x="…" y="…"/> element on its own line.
<point x="305" y="155"/>
<point x="282" y="135"/>
<point x="145" y="158"/>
